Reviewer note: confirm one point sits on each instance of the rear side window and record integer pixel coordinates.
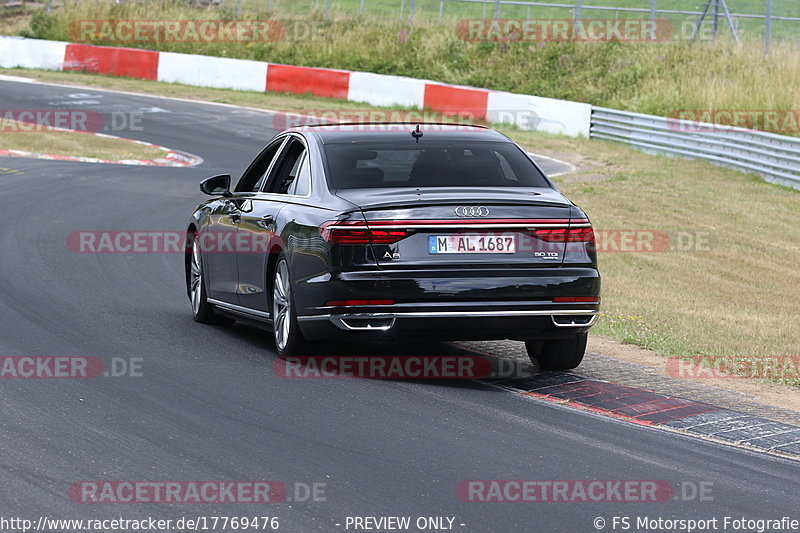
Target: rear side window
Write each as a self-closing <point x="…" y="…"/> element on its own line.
<point x="433" y="164"/>
<point x="287" y="168"/>
<point x="301" y="186"/>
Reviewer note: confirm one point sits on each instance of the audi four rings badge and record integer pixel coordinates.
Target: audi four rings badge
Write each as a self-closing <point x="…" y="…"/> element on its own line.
<point x="472" y="211"/>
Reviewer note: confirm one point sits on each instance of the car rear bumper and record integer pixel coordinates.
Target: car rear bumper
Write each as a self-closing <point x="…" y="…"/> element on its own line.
<point x="515" y="304"/>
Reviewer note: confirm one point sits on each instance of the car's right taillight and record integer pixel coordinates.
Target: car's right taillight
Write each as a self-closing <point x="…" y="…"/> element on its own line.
<point x="580" y="242"/>
<point x="579" y="230"/>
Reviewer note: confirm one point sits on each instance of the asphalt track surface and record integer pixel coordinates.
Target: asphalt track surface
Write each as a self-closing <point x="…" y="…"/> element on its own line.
<point x="209" y="407"/>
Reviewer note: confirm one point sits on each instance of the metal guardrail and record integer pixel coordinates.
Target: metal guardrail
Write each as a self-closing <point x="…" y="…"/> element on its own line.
<point x="776" y="157"/>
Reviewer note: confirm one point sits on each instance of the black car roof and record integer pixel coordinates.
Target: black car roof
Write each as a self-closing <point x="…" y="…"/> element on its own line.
<point x="389" y="132"/>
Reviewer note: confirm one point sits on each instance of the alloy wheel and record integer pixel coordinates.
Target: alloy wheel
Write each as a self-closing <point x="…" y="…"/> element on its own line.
<point x="282" y="305"/>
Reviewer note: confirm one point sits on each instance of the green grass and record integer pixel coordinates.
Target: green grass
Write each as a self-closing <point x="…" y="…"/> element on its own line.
<point x="736" y="298"/>
<point x="656" y="78"/>
<point x="740" y="297"/>
<point x="16" y="136"/>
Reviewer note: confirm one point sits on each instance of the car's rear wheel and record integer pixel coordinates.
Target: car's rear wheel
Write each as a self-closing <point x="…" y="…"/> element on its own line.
<point x="558" y="354"/>
<point x="202" y="311"/>
<point x="288" y="338"/>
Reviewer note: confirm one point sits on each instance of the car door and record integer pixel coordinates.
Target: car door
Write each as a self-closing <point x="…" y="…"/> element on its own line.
<point x="216" y="241"/>
<point x="259" y="219"/>
<point x="220" y="243"/>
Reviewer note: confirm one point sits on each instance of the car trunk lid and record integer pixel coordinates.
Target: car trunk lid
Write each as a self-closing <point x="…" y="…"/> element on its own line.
<point x="462" y="228"/>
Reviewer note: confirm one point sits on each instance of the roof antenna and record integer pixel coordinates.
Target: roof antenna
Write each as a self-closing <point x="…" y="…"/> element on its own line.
<point x="416" y="134"/>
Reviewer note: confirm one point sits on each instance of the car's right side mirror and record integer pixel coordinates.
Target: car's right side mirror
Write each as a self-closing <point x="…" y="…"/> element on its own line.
<point x="217" y="185"/>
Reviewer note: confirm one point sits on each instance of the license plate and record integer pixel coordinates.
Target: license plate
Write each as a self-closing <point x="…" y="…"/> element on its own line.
<point x="471" y="244"/>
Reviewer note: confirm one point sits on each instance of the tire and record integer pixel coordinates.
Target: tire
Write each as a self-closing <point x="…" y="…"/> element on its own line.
<point x="558" y="354"/>
<point x="289" y="339"/>
<point x="202" y="311"/>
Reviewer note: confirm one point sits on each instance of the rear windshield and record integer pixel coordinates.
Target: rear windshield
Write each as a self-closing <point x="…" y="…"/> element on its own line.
<point x="430" y="164"/>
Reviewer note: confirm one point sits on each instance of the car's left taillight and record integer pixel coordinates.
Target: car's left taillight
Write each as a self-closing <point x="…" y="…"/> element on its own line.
<point x="357" y="232"/>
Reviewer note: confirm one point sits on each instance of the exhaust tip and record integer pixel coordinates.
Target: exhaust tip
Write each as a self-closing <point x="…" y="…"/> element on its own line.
<point x="364" y="324"/>
<point x="573" y="321"/>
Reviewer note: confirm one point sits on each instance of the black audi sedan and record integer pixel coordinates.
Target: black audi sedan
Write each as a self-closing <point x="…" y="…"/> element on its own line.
<point x="393" y="231"/>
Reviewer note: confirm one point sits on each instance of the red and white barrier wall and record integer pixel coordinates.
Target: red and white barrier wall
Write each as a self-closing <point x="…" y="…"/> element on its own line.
<point x="527" y="112"/>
